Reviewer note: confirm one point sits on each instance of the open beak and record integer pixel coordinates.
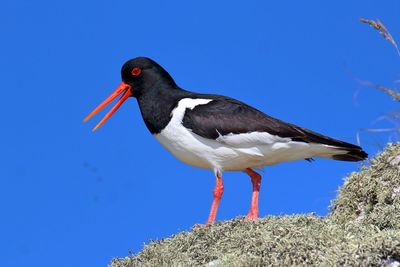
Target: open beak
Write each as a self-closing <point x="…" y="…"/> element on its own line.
<point x="124" y="90"/>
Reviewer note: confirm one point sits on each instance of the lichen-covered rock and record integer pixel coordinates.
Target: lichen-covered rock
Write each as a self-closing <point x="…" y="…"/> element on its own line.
<point x="363" y="229"/>
<point x="372" y="196"/>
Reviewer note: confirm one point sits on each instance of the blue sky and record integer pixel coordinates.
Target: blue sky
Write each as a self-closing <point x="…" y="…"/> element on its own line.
<point x="70" y="197"/>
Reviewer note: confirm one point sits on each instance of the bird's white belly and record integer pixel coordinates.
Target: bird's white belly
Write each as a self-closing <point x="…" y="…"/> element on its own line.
<point x="210" y="154"/>
<point x="231" y="152"/>
<point x="189" y="148"/>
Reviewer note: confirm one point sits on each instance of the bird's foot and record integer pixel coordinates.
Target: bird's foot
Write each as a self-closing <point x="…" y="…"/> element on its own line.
<point x="252" y="215"/>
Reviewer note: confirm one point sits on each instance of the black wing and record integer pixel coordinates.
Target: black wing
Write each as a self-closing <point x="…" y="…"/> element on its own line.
<point x="224" y="116"/>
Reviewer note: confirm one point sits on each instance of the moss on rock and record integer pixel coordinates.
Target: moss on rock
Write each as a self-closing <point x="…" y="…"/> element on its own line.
<point x="363" y="229"/>
<point x="371" y="196"/>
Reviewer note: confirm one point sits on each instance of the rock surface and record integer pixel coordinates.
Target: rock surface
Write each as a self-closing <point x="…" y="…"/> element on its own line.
<point x="363" y="229"/>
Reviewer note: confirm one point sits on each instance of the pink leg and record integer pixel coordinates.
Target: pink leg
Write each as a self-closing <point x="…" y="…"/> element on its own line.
<point x="218" y="190"/>
<point x="256" y="182"/>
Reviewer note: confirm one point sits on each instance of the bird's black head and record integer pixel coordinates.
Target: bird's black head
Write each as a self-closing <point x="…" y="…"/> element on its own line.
<point x="140" y="75"/>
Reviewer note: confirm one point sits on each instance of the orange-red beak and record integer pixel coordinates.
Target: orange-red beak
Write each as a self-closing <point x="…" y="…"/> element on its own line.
<point x="125" y="90"/>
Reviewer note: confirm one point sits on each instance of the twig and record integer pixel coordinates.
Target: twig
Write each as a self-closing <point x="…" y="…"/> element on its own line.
<point x="391" y="92"/>
<point x="395" y="95"/>
<point x="378" y="25"/>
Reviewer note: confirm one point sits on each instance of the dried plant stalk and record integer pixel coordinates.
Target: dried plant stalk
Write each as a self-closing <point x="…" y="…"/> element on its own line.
<point x="395" y="95"/>
<point x="378" y="25"/>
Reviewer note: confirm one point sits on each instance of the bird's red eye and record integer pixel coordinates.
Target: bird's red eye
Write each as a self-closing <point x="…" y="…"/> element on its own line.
<point x="136" y="71"/>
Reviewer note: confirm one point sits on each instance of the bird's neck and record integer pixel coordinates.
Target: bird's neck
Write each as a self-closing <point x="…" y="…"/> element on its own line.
<point x="156" y="105"/>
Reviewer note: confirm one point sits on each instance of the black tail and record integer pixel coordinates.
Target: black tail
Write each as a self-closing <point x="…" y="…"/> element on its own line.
<point x="354" y="153"/>
<point x="346" y="151"/>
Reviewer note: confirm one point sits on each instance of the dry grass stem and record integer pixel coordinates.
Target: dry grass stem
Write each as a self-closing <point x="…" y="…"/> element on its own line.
<point x="392" y="92"/>
<point x="378" y="25"/>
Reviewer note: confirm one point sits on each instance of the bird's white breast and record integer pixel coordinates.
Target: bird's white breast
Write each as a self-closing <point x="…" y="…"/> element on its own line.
<point x="182" y="142"/>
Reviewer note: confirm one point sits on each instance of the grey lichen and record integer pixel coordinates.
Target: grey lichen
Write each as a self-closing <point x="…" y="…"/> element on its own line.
<point x="371" y="196"/>
<point x="363" y="229"/>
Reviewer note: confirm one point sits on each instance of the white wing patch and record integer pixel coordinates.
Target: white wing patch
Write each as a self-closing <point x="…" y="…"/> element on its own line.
<point x="251" y="139"/>
<point x="179" y="111"/>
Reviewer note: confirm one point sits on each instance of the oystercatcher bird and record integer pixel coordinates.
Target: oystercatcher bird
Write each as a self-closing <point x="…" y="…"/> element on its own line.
<point x="218" y="132"/>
